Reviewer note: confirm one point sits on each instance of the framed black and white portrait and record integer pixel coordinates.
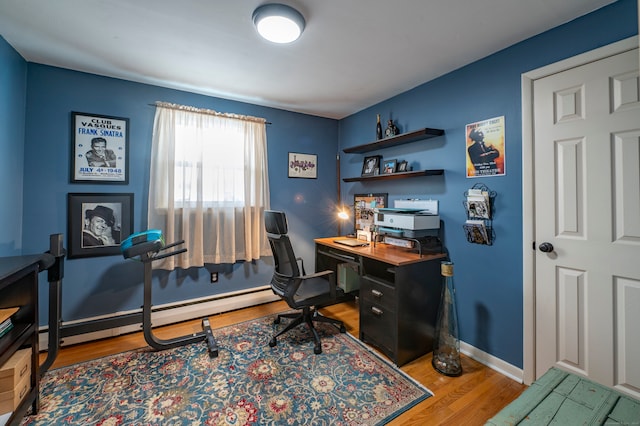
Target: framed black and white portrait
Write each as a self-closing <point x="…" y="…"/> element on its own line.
<point x="97" y="223"/>
<point x="371" y="165"/>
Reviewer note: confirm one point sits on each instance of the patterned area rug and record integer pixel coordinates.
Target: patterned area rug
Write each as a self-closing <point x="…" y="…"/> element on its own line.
<point x="249" y="383"/>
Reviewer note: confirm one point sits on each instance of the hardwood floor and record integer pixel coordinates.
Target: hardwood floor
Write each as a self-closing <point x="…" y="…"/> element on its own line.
<point x="470" y="399"/>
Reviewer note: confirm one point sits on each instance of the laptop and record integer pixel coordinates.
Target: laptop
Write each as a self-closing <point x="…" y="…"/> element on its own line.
<point x="351" y="242"/>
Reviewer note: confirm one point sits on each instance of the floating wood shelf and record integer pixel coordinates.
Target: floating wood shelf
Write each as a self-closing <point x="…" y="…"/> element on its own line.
<point x="403" y="138"/>
<point x="399" y="175"/>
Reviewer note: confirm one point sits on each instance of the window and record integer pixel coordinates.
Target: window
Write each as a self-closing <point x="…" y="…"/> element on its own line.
<point x="209" y="185"/>
<point x="221" y="165"/>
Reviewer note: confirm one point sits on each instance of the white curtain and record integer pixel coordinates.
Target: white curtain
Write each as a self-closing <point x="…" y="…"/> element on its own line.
<point x="209" y="185"/>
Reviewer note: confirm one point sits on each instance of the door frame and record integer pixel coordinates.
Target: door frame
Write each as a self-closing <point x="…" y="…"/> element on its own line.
<point x="528" y="179"/>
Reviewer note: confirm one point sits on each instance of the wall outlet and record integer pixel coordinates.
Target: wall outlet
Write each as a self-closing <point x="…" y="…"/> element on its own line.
<point x="214" y="277"/>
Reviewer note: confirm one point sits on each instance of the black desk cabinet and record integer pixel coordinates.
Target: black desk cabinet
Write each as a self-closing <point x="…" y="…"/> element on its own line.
<point x="399" y="299"/>
<point x="19" y="288"/>
<point x="399" y="307"/>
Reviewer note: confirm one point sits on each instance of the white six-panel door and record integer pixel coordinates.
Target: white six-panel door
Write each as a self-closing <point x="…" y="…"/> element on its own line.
<point x="587" y="207"/>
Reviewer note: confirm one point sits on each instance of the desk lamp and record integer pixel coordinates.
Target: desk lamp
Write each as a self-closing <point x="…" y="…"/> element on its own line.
<point x="343" y="215"/>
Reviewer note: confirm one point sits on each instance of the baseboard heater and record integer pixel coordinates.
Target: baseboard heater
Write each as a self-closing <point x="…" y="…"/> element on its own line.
<point x="85" y="330"/>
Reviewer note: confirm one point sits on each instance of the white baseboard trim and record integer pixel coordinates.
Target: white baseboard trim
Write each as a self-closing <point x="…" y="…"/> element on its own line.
<point x="492" y="362"/>
<point x="169" y="315"/>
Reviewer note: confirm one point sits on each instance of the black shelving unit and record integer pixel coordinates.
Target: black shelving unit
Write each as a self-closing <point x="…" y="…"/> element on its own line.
<point x="19" y="288"/>
<point x="403" y="138"/>
<point x="399" y="175"/>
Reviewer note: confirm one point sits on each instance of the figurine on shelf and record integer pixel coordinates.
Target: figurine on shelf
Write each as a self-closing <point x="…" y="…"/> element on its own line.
<point x="391" y="129"/>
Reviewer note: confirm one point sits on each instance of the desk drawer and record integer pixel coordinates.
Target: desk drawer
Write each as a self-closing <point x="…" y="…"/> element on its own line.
<point x="378" y="326"/>
<point x="378" y="293"/>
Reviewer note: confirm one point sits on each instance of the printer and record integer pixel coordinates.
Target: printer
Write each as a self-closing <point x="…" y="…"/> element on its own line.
<point x="409" y="219"/>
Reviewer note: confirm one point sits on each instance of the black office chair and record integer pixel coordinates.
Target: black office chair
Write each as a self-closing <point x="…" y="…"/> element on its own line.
<point x="300" y="291"/>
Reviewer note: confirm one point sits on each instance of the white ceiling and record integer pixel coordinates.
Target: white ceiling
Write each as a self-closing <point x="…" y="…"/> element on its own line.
<point x="352" y="54"/>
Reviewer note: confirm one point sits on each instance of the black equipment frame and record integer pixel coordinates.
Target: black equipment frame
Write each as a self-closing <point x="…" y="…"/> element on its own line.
<point x="148" y="252"/>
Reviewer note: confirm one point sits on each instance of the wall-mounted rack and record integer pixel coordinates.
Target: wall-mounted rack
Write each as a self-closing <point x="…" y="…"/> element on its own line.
<point x="479" y="207"/>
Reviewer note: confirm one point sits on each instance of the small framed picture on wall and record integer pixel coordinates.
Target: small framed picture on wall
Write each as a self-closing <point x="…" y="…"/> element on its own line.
<point x="303" y="165"/>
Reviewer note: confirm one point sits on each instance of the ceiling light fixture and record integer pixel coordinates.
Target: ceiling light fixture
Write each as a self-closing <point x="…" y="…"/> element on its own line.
<point x="278" y="23"/>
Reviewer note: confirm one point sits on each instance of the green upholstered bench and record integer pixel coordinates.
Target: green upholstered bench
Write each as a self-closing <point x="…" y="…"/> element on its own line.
<point x="562" y="398"/>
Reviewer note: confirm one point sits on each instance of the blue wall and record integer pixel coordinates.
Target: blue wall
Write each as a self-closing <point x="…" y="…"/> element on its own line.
<point x="488" y="279"/>
<point x="13" y="84"/>
<point x="104" y="285"/>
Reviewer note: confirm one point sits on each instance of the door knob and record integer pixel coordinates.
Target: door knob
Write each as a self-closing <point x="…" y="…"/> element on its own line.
<point x="546" y="247"/>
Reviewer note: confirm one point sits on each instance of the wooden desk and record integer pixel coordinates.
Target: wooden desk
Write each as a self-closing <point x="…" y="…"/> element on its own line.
<point x="399" y="295"/>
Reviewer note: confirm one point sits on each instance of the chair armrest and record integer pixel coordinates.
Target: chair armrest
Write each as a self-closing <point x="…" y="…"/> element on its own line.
<point x="301" y="265"/>
<point x="316" y="274"/>
<point x="330" y="278"/>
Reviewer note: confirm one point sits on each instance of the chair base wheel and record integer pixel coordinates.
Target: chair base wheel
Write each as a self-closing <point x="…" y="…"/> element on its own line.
<point x="308" y="317"/>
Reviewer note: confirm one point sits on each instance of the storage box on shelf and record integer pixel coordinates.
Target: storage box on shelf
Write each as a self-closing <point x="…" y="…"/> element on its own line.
<point x="15" y="369"/>
<point x="16" y="385"/>
<point x="15" y="375"/>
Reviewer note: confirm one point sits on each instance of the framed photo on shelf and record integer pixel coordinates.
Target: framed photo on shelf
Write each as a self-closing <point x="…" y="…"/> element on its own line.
<point x="97" y="223"/>
<point x="389" y="166"/>
<point x="100" y="149"/>
<point x="303" y="165"/>
<point x="371" y="165"/>
<point x="402" y="166"/>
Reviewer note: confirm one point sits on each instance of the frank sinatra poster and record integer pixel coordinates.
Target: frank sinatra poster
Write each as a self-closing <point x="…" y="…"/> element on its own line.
<point x="100" y="149"/>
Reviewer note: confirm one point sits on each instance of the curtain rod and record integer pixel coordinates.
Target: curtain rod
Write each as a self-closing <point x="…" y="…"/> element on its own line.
<point x="209" y="112"/>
